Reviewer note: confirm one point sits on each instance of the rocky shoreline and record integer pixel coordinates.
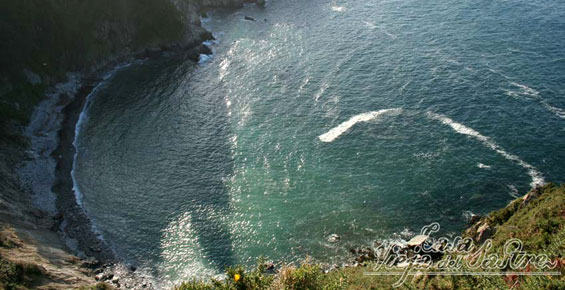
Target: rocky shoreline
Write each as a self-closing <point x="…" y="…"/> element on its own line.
<point x="51" y="157"/>
<point x="69" y="219"/>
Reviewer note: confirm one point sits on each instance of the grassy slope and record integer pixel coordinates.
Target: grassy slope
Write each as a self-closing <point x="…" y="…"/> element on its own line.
<point x="540" y="224"/>
<point x="40" y="264"/>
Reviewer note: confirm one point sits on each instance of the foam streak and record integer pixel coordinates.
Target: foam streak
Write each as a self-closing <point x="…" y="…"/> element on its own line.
<point x="334" y="133"/>
<point x="537" y="177"/>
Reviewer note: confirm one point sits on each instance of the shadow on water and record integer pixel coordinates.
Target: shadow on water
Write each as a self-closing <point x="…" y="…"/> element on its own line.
<point x="152" y="151"/>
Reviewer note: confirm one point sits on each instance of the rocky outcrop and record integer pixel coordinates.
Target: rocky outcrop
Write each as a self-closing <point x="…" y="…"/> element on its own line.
<point x="484" y="232"/>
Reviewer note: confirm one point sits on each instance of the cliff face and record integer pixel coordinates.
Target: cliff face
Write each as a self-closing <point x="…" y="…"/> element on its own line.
<point x="40" y="42"/>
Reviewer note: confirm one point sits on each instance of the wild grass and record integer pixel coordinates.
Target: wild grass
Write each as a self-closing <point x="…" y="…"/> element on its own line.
<point x="18" y="275"/>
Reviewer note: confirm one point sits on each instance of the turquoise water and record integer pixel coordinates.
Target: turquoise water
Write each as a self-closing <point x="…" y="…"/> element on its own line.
<point x="360" y="118"/>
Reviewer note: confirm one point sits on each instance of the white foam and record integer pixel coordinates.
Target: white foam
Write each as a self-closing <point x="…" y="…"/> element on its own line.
<point x="304" y="84"/>
<point x="204" y="58"/>
<point x="537" y="177"/>
<point x="210" y="43"/>
<point x="513" y="191"/>
<point x="334" y="133"/>
<point x="468" y="215"/>
<point x="338" y="8"/>
<point x="557" y="111"/>
<point x="82" y="119"/>
<point x="483" y="166"/>
<point x="426" y="155"/>
<point x="526" y="91"/>
<point x="321" y="91"/>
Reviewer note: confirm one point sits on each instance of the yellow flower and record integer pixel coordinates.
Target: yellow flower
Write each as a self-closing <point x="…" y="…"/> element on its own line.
<point x="236" y="277"/>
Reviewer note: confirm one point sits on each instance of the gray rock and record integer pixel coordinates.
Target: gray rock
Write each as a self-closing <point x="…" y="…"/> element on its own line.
<point x="417" y="240"/>
<point x="474" y="219"/>
<point x="483" y="233"/>
<point x="533" y="194"/>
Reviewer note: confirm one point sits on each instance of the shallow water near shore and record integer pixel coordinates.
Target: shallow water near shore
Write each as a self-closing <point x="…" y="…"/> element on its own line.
<point x="357" y="118"/>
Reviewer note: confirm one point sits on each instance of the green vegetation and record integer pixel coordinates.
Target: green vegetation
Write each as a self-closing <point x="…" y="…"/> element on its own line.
<point x="18" y="275"/>
<point x="98" y="286"/>
<point x="307" y="276"/>
<point x="539" y="223"/>
<point x="52" y="37"/>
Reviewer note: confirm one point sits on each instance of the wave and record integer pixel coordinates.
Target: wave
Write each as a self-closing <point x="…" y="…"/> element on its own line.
<point x="557" y="111"/>
<point x="334" y="133"/>
<point x="82" y="119"/>
<point x="513" y="191"/>
<point x="537" y="177"/>
<point x="204" y="58"/>
<point x="526" y="91"/>
<point x="321" y="91"/>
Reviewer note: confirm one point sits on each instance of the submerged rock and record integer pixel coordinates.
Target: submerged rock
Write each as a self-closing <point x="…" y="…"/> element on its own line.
<point x="334" y="238"/>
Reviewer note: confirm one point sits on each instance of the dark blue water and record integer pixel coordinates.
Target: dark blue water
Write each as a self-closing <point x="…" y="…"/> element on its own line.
<point x="359" y="118"/>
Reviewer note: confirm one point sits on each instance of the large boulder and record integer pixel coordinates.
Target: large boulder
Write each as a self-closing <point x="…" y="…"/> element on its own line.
<point x="417" y="241"/>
